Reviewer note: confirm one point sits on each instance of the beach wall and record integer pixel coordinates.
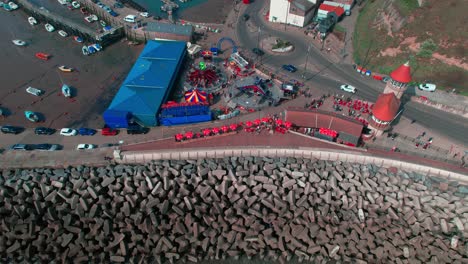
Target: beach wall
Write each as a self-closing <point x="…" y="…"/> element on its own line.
<point x="129" y="157"/>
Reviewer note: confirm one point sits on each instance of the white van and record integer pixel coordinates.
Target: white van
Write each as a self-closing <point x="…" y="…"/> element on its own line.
<point x="130" y="18"/>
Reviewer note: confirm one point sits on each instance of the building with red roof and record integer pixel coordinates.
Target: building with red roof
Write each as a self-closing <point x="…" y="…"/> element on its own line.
<point x="399" y="80"/>
<point x="386" y="107"/>
<point x="348" y="130"/>
<point x="402" y="74"/>
<point x="384" y="111"/>
<point x="324" y="9"/>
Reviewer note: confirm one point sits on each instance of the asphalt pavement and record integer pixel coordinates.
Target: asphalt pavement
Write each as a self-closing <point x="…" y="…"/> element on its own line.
<point x="331" y="75"/>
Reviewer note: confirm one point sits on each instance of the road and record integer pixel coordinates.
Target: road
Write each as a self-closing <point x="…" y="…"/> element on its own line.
<point x="330" y="76"/>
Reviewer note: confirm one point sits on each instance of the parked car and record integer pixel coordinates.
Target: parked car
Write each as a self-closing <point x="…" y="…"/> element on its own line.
<point x="130" y="18"/>
<point x="245" y="17"/>
<point x="90" y="18"/>
<point x="289" y="68"/>
<point x="258" y="51"/>
<point x="107" y="9"/>
<point x="86" y="131"/>
<point x="47" y="147"/>
<point x="118" y="5"/>
<point x="13" y="5"/>
<point x="144" y="14"/>
<point x="68" y="132"/>
<point x="44" y="131"/>
<point x="85" y="146"/>
<point x="101" y="5"/>
<point x="11" y="129"/>
<point x="428" y="87"/>
<point x="348" y="88"/>
<point x="107" y="131"/>
<point x="136" y="129"/>
<point x="113" y="13"/>
<point x="22" y="147"/>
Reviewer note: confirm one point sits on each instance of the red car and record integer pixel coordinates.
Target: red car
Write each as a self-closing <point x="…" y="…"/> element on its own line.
<point x="107" y="131"/>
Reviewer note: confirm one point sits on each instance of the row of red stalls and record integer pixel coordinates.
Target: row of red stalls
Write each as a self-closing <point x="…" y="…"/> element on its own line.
<point x="257" y="125"/>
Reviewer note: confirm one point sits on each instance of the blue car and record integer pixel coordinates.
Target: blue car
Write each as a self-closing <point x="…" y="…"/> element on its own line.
<point x="86" y="131"/>
<point x="113" y="13"/>
<point x="289" y="68"/>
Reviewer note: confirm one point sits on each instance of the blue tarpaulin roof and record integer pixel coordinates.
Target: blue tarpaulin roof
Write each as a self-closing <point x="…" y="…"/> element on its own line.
<point x="149" y="81"/>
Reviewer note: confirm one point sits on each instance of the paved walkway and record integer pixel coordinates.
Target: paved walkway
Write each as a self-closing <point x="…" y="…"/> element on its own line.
<point x="63" y="158"/>
<point x="289" y="140"/>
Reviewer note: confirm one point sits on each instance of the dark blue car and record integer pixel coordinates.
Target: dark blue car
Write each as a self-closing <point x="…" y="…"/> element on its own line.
<point x="86" y="131"/>
<point x="289" y="68"/>
<point x="113" y="13"/>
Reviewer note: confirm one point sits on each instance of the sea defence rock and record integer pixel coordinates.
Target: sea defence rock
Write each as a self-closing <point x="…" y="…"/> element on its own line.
<point x="271" y="208"/>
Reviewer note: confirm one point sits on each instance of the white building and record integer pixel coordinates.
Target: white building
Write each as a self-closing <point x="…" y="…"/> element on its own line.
<point x="294" y="12"/>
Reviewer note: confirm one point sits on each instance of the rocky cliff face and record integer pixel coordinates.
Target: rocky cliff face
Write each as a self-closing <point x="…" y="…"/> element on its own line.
<point x="431" y="34"/>
<point x="274" y="209"/>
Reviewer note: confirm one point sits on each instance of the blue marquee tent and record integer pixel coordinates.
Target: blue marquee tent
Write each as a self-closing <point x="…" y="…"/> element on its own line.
<point x="147" y="85"/>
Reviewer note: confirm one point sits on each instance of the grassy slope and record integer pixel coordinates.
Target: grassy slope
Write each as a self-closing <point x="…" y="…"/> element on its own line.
<point x="441" y="21"/>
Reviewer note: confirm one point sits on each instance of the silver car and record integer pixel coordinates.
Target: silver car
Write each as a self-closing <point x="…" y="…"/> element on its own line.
<point x="428" y="87"/>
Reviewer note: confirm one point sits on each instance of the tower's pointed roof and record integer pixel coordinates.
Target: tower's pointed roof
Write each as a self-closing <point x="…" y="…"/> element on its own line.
<point x="386" y="107"/>
<point x="402" y="74"/>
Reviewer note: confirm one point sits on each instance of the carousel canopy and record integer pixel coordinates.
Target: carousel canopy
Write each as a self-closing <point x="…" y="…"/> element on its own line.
<point x="195" y="96"/>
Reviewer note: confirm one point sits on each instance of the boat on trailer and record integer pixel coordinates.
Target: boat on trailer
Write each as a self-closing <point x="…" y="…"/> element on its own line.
<point x="66" y="91"/>
<point x="65" y="68"/>
<point x="31" y="116"/>
<point x="42" y="56"/>
<point x="19" y="42"/>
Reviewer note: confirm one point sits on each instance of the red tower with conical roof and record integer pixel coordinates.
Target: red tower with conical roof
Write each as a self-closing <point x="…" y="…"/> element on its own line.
<point x="399" y="80"/>
<point x="386" y="107"/>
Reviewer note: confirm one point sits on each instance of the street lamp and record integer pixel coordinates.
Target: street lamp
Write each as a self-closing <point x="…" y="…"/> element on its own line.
<point x="307" y="57"/>
<point x="258" y="43"/>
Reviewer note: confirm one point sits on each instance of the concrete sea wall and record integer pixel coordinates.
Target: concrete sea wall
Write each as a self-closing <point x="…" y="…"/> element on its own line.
<point x="258" y="151"/>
